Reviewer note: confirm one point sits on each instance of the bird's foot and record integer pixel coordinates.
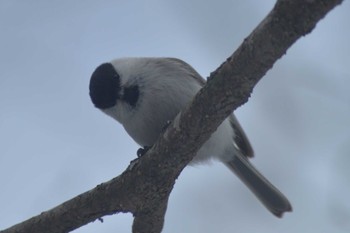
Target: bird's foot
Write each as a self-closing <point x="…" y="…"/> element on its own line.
<point x="141" y="151"/>
<point x="168" y="122"/>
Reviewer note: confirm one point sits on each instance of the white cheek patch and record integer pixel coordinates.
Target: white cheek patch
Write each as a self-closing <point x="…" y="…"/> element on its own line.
<point x="115" y="112"/>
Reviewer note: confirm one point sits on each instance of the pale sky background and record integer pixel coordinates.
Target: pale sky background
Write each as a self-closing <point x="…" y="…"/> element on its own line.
<point x="55" y="145"/>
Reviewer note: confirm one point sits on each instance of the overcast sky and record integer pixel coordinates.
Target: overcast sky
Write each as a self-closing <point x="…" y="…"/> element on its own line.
<point x="55" y="145"/>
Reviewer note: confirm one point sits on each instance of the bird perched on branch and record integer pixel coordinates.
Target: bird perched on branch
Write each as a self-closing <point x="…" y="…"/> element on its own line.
<point x="143" y="94"/>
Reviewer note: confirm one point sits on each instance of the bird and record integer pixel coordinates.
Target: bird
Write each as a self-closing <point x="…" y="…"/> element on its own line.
<point x="144" y="93"/>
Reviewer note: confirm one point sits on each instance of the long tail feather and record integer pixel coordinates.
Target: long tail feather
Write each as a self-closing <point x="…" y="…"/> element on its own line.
<point x="268" y="194"/>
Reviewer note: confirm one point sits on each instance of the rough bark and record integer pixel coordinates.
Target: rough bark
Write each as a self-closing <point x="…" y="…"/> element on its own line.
<point x="144" y="187"/>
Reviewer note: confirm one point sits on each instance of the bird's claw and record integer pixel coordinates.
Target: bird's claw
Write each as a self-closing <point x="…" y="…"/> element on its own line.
<point x="168" y="122"/>
<point x="141" y="151"/>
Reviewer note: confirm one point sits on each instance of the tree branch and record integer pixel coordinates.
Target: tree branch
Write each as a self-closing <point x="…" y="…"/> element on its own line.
<point x="144" y="187"/>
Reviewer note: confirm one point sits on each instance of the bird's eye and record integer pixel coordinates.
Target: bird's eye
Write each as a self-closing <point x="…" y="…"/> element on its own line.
<point x="131" y="95"/>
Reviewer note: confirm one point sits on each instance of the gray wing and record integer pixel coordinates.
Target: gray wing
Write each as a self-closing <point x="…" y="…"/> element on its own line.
<point x="240" y="139"/>
<point x="189" y="69"/>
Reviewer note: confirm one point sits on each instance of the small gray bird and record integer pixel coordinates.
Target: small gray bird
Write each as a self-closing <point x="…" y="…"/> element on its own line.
<point x="143" y="94"/>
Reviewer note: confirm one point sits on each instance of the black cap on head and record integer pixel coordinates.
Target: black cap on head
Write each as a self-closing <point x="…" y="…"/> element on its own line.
<point x="104" y="86"/>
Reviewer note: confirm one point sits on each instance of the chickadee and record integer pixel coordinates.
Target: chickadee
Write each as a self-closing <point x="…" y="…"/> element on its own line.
<point x="143" y="94"/>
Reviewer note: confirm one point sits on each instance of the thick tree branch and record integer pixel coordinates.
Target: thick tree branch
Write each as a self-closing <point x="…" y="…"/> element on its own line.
<point x="143" y="189"/>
